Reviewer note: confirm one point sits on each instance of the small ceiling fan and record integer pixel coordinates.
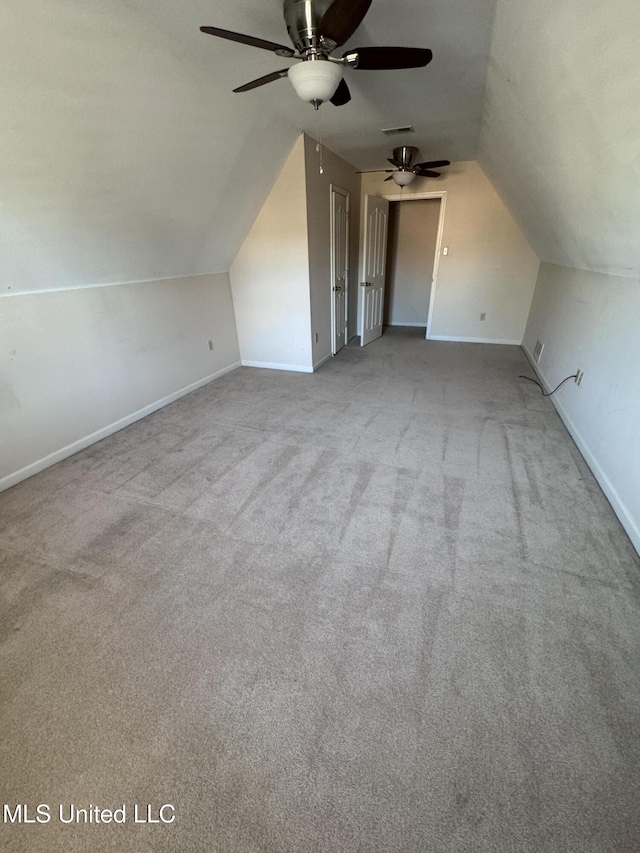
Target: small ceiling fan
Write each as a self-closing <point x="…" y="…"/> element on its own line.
<point x="316" y="28"/>
<point x="406" y="170"/>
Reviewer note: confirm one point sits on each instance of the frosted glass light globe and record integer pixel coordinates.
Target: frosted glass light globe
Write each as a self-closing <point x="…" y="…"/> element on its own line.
<point x="315" y="80"/>
<point x="403" y="178"/>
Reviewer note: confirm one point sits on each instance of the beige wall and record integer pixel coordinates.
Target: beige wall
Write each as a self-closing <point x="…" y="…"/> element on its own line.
<point x="78" y="364"/>
<point x="413" y="231"/>
<point x="589" y="321"/>
<point x="490" y="267"/>
<point x="270" y="276"/>
<point x="338" y="172"/>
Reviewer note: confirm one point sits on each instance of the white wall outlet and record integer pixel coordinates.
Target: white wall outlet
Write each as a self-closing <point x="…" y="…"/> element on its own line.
<point x="579" y="377"/>
<point x="445" y="251"/>
<point x="211" y="345"/>
<point x="483" y="316"/>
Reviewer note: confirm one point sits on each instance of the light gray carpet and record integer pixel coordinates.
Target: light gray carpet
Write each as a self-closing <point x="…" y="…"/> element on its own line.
<point x="381" y="608"/>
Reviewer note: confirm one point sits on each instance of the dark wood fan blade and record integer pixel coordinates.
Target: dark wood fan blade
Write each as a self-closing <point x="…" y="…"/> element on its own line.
<point x="394" y="162"/>
<point x="425" y="173"/>
<point x="250" y="40"/>
<point x="389" y="58"/>
<point x="370" y="171"/>
<point x="261" y="81"/>
<point x="342" y="19"/>
<point x="434" y="164"/>
<point x="390" y="178"/>
<point x="342" y="95"/>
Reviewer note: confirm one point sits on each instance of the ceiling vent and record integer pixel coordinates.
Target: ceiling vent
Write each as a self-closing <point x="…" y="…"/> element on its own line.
<point x="395" y="131"/>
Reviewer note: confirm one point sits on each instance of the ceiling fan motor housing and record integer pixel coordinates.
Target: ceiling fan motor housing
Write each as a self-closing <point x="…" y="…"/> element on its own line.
<point x="302" y="18"/>
<point x="405" y="155"/>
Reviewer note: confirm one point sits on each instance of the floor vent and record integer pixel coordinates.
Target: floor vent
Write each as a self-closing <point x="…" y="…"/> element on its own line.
<point x="395" y="131"/>
<point x="537" y="352"/>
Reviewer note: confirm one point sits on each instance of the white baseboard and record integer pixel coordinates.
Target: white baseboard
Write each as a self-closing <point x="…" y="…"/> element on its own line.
<point x="270" y="365"/>
<point x="322" y="361"/>
<point x="58" y="455"/>
<point x="412" y="325"/>
<point x="474" y="340"/>
<point x="611" y="493"/>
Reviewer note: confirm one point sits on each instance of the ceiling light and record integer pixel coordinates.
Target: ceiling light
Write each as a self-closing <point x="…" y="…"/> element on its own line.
<point x="403" y="178"/>
<point x="315" y="81"/>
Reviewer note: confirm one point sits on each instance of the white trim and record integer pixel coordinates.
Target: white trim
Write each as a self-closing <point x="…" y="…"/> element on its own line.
<point x="322" y="361"/>
<point x="438" y="251"/>
<point x="92" y="285"/>
<point x="474" y="340"/>
<point x="610" y="491"/>
<point x="270" y="365"/>
<point x="98" y="435"/>
<point x="413" y="325"/>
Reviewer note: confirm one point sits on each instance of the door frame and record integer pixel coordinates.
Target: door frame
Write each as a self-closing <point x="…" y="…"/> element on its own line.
<point x="335" y="188"/>
<point x="438" y="254"/>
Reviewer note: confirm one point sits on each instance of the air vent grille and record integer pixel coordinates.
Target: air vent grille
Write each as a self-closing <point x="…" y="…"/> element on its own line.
<point x="537" y="352"/>
<point x="396" y="131"/>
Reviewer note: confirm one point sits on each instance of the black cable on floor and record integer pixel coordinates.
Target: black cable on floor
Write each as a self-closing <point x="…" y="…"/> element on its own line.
<point x="544" y="394"/>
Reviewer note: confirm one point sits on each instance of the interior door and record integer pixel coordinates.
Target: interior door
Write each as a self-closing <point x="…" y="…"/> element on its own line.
<point x="339" y="267"/>
<point x="374" y="258"/>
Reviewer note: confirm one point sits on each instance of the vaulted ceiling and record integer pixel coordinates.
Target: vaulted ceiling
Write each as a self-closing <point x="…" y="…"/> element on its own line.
<point x="125" y="154"/>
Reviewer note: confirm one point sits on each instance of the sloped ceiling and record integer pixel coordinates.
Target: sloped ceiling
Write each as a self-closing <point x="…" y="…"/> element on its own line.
<point x="124" y="154"/>
<point x="561" y="128"/>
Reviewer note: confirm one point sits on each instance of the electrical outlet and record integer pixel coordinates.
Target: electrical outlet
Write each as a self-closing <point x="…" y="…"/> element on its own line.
<point x="211" y="345"/>
<point x="483" y="316"/>
<point x="579" y="377"/>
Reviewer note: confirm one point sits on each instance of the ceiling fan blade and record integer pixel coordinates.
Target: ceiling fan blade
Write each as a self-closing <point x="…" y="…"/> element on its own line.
<point x="371" y="171"/>
<point x="342" y="95"/>
<point x="250" y="40"/>
<point x="387" y="58"/>
<point x="261" y="81"/>
<point x="395" y="162"/>
<point x="390" y="178"/>
<point x="425" y="173"/>
<point x="342" y="19"/>
<point x="434" y="164"/>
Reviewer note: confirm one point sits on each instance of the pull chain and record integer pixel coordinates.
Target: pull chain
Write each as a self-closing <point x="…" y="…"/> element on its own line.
<point x="319" y="141"/>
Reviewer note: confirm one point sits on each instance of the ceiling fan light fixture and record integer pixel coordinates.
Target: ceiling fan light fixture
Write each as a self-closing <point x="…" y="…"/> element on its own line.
<point x="403" y="178"/>
<point x="315" y="81"/>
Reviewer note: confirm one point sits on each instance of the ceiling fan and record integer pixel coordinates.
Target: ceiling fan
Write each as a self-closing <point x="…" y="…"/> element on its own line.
<point x="316" y="28"/>
<point x="406" y="170"/>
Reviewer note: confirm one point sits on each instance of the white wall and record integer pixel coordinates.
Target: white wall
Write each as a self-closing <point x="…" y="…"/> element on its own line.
<point x="413" y="232"/>
<point x="338" y="172"/>
<point x="78" y="364"/>
<point x="561" y="128"/>
<point x="270" y="277"/>
<point x="490" y="268"/>
<point x="590" y="321"/>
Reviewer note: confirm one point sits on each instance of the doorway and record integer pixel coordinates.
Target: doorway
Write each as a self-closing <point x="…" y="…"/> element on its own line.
<point x="411" y="259"/>
<point x="339" y="267"/>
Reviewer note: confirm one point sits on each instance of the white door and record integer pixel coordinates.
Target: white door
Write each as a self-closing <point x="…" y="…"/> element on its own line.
<point x="339" y="267"/>
<point x="374" y="258"/>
